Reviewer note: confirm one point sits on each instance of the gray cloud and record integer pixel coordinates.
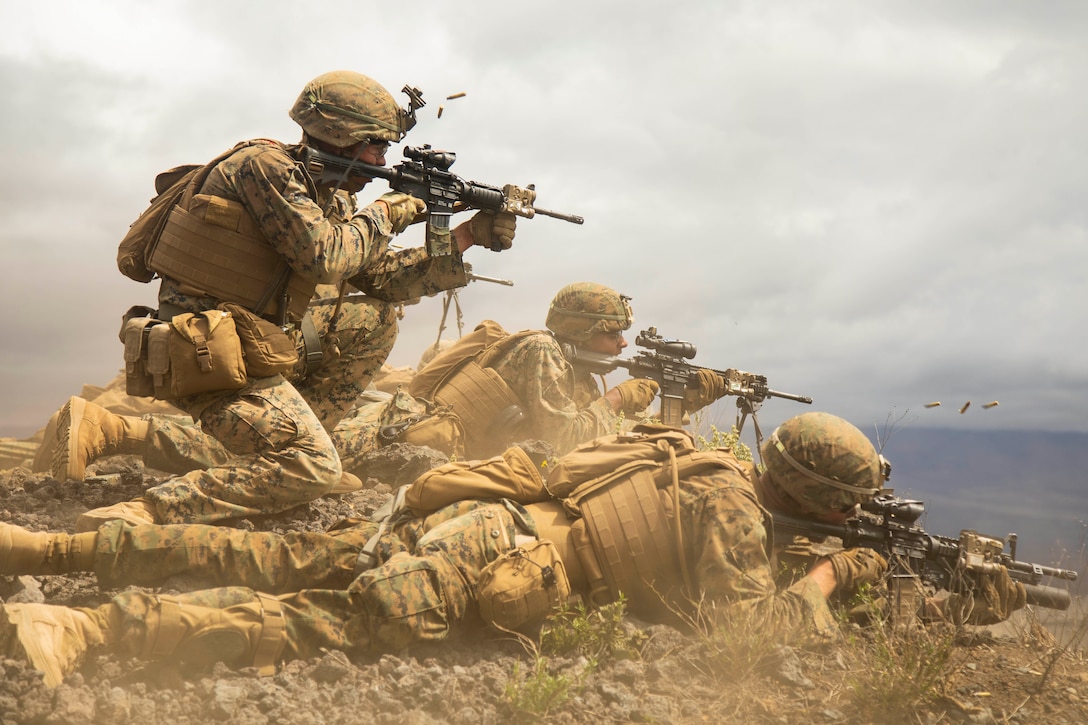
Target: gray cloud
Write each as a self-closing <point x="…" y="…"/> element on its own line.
<point x="878" y="204"/>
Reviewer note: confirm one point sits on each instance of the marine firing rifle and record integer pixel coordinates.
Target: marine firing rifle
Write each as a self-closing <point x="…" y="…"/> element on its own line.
<point x="426" y="175"/>
<point x="665" y="362"/>
<point x="890" y="526"/>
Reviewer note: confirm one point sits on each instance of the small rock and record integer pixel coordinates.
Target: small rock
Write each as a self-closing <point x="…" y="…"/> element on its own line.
<point x="330" y="669"/>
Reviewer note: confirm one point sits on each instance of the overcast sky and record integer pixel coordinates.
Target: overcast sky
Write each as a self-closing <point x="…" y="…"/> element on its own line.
<point x="878" y="204"/>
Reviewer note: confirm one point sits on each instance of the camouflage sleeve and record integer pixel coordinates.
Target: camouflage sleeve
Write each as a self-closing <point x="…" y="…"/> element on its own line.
<point x="405" y="274"/>
<point x="269" y="183"/>
<point x="732" y="568"/>
<point x="544" y="381"/>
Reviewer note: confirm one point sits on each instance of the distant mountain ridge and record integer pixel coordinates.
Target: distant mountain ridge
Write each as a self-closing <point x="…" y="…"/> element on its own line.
<point x="1032" y="483"/>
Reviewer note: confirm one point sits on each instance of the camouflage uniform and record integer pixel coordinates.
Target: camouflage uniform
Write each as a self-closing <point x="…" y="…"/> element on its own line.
<point x="561" y="406"/>
<point x="282" y="455"/>
<point x="423" y="586"/>
<point x="422" y="590"/>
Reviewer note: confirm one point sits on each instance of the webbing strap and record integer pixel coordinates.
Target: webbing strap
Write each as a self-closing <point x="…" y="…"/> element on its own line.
<point x="273" y="635"/>
<point x="169" y="633"/>
<point x="367" y="558"/>
<point x="676" y="522"/>
<point x="311" y="342"/>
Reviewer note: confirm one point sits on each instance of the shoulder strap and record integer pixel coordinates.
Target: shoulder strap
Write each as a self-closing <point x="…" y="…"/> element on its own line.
<point x="501" y="346"/>
<point x="201" y="176"/>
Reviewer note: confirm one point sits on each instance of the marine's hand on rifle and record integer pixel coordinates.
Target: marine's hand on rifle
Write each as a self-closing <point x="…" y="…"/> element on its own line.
<point x="857" y="567"/>
<point x="403" y="209"/>
<point x="635" y="396"/>
<point x="494" y="230"/>
<point x="703" y="388"/>
<point x="995" y="597"/>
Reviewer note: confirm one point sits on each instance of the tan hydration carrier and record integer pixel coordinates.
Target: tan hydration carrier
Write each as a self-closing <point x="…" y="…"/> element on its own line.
<point x="214" y="246"/>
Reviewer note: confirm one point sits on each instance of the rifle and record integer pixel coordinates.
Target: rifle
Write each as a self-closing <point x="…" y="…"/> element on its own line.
<point x="890" y="526"/>
<point x="666" y="364"/>
<point x="426" y="175"/>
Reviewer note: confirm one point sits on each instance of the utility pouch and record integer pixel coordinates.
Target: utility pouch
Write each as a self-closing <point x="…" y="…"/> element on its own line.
<point x="135" y="330"/>
<point x="268" y="350"/>
<point x="440" y="430"/>
<point x="194" y="353"/>
<point x="521" y="587"/>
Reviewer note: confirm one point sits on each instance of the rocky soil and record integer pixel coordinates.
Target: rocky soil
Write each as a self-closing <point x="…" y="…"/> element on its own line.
<point x="1021" y="672"/>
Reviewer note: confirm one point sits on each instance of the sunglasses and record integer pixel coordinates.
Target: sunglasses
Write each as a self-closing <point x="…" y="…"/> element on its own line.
<point x="378" y="146"/>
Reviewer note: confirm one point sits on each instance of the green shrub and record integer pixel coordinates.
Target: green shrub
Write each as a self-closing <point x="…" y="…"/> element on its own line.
<point x="600" y="635"/>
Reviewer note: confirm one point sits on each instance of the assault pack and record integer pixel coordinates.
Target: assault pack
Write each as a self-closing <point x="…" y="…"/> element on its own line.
<point x="459" y="377"/>
<point x="134" y="251"/>
<point x="212" y="246"/>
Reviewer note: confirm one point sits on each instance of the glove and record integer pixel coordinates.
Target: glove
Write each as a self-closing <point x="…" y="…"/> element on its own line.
<point x="994" y="599"/>
<point x="856" y="567"/>
<point x="403" y="209"/>
<point x="636" y="395"/>
<point x="703" y="389"/>
<point x="797" y="557"/>
<point x="493" y="230"/>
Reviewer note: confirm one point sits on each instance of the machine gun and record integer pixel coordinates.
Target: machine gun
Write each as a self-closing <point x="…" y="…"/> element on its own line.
<point x="426" y="175"/>
<point x="890" y="526"/>
<point x="665" y="362"/>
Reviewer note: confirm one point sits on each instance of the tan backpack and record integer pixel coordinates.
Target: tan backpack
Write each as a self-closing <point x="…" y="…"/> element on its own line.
<point x="646" y="444"/>
<point x="445" y="363"/>
<point x="134" y="251"/>
<point x="459" y="377"/>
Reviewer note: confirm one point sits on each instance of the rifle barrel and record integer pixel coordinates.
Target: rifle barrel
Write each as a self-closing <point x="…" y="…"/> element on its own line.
<point x="1036" y="571"/>
<point x="572" y="218"/>
<point x="789" y="396"/>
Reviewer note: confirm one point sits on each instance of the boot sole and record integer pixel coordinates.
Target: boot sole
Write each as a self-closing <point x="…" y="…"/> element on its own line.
<point x="19" y="639"/>
<point x="5" y="549"/>
<point x="43" y="457"/>
<point x="66" y="466"/>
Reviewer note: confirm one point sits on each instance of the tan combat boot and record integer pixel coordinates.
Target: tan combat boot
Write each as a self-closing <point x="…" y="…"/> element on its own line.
<point x="85" y="432"/>
<point x="137" y="511"/>
<point x="53" y="639"/>
<point x="242" y="635"/>
<point x="348" y="483"/>
<point x="43" y="457"/>
<point x="34" y="552"/>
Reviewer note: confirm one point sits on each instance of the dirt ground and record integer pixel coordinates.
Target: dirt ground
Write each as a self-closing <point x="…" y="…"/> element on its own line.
<point x="1017" y="673"/>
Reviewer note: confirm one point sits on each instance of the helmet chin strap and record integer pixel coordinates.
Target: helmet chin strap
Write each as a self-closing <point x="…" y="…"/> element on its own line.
<point x="343" y="178"/>
<point x="774" y="441"/>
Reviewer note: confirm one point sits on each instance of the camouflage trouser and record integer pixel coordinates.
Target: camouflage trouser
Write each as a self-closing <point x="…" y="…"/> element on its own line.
<point x="365" y="332"/>
<point x="215" y="556"/>
<point x="424" y="592"/>
<point x="281" y="456"/>
<point x="358" y="434"/>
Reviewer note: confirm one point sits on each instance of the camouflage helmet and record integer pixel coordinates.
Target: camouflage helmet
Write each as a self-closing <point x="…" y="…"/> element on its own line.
<point x="823" y="463"/>
<point x="582" y="309"/>
<point x="343" y="108"/>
